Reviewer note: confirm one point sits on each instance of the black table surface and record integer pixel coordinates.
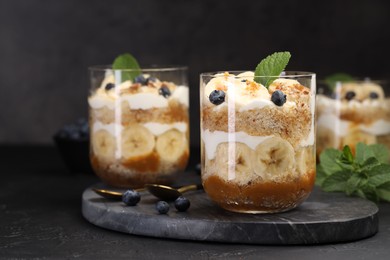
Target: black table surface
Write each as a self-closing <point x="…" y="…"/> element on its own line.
<point x="40" y="217"/>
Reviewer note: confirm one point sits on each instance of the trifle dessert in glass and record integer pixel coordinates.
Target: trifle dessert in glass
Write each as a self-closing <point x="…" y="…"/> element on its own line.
<point x="352" y="112"/>
<point x="257" y="142"/>
<point x="139" y="126"/>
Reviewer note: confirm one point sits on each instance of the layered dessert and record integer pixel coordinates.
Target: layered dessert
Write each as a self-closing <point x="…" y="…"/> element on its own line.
<point x="354" y="112"/>
<point x="139" y="130"/>
<point x="258" y="147"/>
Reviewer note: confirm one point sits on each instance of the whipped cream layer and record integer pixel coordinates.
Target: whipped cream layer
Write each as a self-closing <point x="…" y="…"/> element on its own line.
<point x="213" y="139"/>
<point x="329" y="105"/>
<point x="155" y="128"/>
<point x="147" y="98"/>
<point x="341" y="127"/>
<point x="247" y="95"/>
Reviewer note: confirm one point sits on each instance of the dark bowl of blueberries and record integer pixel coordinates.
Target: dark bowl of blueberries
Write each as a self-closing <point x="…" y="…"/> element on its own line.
<point x="72" y="141"/>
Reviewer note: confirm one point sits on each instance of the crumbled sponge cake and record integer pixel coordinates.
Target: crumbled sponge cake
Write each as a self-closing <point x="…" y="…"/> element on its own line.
<point x="175" y="112"/>
<point x="292" y="124"/>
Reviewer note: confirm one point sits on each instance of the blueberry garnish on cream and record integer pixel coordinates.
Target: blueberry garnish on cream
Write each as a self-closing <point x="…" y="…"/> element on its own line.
<point x="374" y="95"/>
<point x="279" y="98"/>
<point x="140" y="79"/>
<point x="217" y="97"/>
<point x="164" y="91"/>
<point x="350" y="95"/>
<point x="109" y="86"/>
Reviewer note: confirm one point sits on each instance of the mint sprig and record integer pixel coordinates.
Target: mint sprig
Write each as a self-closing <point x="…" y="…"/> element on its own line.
<point x="271" y="67"/>
<point x="128" y="63"/>
<point x="367" y="174"/>
<point x="331" y="80"/>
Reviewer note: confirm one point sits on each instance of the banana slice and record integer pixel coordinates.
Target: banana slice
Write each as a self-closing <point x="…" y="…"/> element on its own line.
<point x="137" y="141"/>
<point x="243" y="172"/>
<point x="171" y="145"/>
<point x="305" y="160"/>
<point x="103" y="145"/>
<point x="273" y="158"/>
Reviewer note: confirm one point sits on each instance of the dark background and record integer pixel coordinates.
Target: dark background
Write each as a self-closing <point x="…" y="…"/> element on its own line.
<point x="46" y="47"/>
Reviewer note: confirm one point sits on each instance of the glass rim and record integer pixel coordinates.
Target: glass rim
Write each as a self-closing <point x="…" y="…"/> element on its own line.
<point x="296" y="74"/>
<point x="147" y="68"/>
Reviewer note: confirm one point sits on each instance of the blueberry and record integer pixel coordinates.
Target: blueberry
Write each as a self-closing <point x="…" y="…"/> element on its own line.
<point x="151" y="79"/>
<point x="109" y="86"/>
<point x="198" y="168"/>
<point x="374" y="95"/>
<point x="74" y="135"/>
<point x="162" y="207"/>
<point x="72" y="132"/>
<point x="62" y="134"/>
<point x="217" y="97"/>
<point x="131" y="197"/>
<point x="182" y="204"/>
<point x="82" y="121"/>
<point x="350" y="95"/>
<point x="140" y="79"/>
<point x="279" y="98"/>
<point x="243" y="80"/>
<point x="164" y="91"/>
<point x="84" y="129"/>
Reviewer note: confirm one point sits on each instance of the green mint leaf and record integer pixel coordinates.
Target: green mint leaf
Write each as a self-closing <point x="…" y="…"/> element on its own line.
<point x="379" y="175"/>
<point x="336" y="181"/>
<point x="320" y="175"/>
<point x="369" y="193"/>
<point x="368" y="164"/>
<point x="380" y="152"/>
<point x="271" y="67"/>
<point x="354" y="183"/>
<point x="347" y="156"/>
<point x="366" y="175"/>
<point x="128" y="63"/>
<point x="331" y="80"/>
<point x="363" y="152"/>
<point x="328" y="161"/>
<point x="383" y="192"/>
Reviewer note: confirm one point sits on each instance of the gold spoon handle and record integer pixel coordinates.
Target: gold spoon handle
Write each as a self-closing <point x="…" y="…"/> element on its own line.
<point x="112" y="194"/>
<point x="190" y="187"/>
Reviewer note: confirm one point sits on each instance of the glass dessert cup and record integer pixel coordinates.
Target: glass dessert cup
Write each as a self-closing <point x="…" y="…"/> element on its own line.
<point x="353" y="112"/>
<point x="257" y="155"/>
<point x="140" y="127"/>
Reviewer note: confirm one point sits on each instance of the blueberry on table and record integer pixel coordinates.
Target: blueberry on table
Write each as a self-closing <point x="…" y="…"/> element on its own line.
<point x="350" y="95"/>
<point x="109" y="86"/>
<point x="162" y="207"/>
<point x="374" y="95"/>
<point x="140" y="79"/>
<point x="182" y="204"/>
<point x="278" y="98"/>
<point x="217" y="97"/>
<point x="131" y="197"/>
<point x="164" y="91"/>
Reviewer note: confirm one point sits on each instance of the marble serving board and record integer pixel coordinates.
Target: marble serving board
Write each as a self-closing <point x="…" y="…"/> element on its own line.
<point x="323" y="218"/>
